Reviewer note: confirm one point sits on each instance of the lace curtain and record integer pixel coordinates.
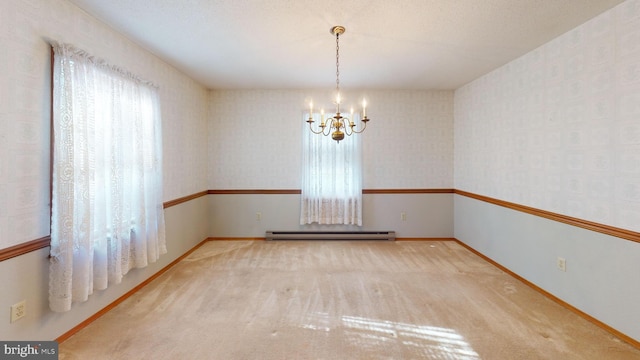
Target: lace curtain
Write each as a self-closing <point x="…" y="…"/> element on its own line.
<point x="331" y="178"/>
<point x="107" y="211"/>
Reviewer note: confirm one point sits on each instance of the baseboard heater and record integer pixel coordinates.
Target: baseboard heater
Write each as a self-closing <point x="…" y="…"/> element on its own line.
<point x="331" y="235"/>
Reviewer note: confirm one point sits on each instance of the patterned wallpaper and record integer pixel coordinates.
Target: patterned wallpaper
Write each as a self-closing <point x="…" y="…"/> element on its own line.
<point x="559" y="128"/>
<point x="255" y="138"/>
<point x="25" y="28"/>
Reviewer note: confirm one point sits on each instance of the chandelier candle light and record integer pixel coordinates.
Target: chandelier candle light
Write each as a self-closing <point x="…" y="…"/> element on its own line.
<point x="338" y="123"/>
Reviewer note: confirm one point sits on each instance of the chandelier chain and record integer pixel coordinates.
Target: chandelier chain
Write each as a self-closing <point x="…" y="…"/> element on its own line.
<point x="337" y="63"/>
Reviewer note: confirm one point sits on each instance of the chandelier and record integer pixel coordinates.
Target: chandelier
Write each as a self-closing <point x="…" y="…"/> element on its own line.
<point x="337" y="125"/>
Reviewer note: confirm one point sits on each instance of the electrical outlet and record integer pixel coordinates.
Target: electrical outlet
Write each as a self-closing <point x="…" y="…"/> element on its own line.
<point x="258" y="216"/>
<point x="403" y="216"/>
<point x="562" y="264"/>
<point x="18" y="311"/>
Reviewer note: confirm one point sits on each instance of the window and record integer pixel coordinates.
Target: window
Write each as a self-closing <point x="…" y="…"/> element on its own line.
<point x="331" y="179"/>
<point x="107" y="212"/>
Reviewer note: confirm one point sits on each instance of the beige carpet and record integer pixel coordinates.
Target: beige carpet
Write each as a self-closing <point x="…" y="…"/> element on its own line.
<point x="340" y="300"/>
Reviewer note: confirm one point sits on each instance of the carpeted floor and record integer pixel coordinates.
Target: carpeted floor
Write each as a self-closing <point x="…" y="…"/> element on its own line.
<point x="340" y="300"/>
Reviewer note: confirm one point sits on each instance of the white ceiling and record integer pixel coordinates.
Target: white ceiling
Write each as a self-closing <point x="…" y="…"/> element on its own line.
<point x="286" y="44"/>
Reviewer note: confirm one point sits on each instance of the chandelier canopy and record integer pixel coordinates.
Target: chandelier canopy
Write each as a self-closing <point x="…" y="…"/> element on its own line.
<point x="337" y="125"/>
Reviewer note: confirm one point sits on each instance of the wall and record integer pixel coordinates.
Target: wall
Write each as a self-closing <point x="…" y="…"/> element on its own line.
<point x="602" y="271"/>
<point x="255" y="138"/>
<point x="25" y="28"/>
<point x="427" y="215"/>
<point x="558" y="130"/>
<point x="255" y="143"/>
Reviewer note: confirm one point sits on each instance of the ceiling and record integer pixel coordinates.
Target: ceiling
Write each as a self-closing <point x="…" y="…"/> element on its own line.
<point x="286" y="44"/>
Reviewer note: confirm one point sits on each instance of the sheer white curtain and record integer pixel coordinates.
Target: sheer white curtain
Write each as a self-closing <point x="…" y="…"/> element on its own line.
<point x="107" y="211"/>
<point x="331" y="178"/>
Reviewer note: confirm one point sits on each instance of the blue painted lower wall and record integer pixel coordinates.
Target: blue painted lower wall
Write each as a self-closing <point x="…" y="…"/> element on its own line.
<point x="602" y="276"/>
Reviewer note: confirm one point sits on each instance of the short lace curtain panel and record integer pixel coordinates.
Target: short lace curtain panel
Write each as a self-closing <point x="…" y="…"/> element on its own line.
<point x="107" y="211"/>
<point x="331" y="178"/>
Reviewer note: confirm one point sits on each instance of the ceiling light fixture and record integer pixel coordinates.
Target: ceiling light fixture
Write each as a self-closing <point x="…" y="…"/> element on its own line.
<point x="338" y="123"/>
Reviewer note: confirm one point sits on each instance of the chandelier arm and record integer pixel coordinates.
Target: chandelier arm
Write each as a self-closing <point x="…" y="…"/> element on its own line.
<point x="329" y="124"/>
<point x="360" y="131"/>
<point x="311" y="121"/>
<point x="348" y="129"/>
<point x="315" y="132"/>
